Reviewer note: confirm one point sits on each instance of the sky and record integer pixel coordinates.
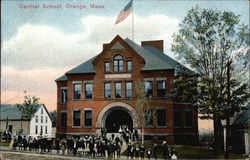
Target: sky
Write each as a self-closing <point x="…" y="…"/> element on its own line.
<point x="38" y="45"/>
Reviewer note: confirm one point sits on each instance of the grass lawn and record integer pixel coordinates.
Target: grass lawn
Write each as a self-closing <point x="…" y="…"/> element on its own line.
<point x="4" y="144"/>
<point x="193" y="152"/>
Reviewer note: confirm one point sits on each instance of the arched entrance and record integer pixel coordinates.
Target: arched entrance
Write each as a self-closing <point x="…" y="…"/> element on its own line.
<point x="116" y="118"/>
<point x="126" y="109"/>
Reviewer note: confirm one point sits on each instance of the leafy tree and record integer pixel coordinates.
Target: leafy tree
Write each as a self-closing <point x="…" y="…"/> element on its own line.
<point x="208" y="41"/>
<point x="53" y="117"/>
<point x="142" y="107"/>
<point x="29" y="106"/>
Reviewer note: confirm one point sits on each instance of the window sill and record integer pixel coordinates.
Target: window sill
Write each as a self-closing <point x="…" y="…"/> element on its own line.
<point x="88" y="127"/>
<point x="188" y="127"/>
<point x="63" y="103"/>
<point x="149" y="127"/>
<point x="76" y="99"/>
<point x="178" y="127"/>
<point x="88" y="99"/>
<point x="76" y="126"/>
<point x="161" y="126"/>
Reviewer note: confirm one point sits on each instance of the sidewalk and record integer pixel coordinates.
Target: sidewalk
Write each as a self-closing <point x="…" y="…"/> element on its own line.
<point x="6" y="152"/>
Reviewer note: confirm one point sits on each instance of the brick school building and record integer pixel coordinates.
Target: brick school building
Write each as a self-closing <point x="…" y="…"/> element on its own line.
<point x="101" y="93"/>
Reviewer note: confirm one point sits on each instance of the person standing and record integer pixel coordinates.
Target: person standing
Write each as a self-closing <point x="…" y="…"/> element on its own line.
<point x="118" y="151"/>
<point x="129" y="150"/>
<point x="142" y="151"/>
<point x="149" y="153"/>
<point x="155" y="151"/>
<point x="165" y="150"/>
<point x="63" y="145"/>
<point x="57" y="145"/>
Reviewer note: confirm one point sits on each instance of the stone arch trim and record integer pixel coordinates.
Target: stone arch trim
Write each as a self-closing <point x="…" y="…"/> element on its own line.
<point x="113" y="106"/>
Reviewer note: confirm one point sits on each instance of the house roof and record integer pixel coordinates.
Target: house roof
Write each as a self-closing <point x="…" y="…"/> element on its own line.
<point x="243" y="118"/>
<point x="154" y="60"/>
<point x="11" y="112"/>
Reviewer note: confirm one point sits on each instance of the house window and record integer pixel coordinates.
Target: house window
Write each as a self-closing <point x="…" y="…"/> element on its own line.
<point x="41" y="119"/>
<point x="128" y="89"/>
<point x="46" y="130"/>
<point x="46" y="119"/>
<point x="118" y="90"/>
<point x="36" y="129"/>
<point x="107" y="93"/>
<point x="106" y="67"/>
<point x="63" y="119"/>
<point x="177" y="119"/>
<point x="161" y="89"/>
<point x="148" y="89"/>
<point x="36" y="119"/>
<point x="76" y="118"/>
<point x="129" y="66"/>
<point x="88" y="118"/>
<point x="41" y="131"/>
<point x="161" y="117"/>
<point x="118" y="63"/>
<point x="63" y="95"/>
<point x="88" y="90"/>
<point x="41" y="110"/>
<point x="188" y="118"/>
<point x="77" y="91"/>
<point x="149" y="117"/>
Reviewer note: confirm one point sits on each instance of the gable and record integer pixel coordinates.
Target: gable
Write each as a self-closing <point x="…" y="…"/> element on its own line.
<point x="117" y="45"/>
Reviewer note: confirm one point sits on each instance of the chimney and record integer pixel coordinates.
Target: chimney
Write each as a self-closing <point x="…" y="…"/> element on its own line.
<point x="104" y="45"/>
<point x="158" y="44"/>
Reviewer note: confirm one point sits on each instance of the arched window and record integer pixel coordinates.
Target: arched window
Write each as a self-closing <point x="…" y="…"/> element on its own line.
<point x="118" y="63"/>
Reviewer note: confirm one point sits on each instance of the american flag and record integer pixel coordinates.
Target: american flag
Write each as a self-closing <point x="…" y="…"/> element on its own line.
<point x="124" y="12"/>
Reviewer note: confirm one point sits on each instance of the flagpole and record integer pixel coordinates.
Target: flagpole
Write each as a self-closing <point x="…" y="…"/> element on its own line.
<point x="133" y="23"/>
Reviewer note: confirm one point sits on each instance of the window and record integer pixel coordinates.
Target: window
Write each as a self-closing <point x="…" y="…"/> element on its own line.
<point x="41" y="131"/>
<point x="88" y="90"/>
<point x="77" y="91"/>
<point x="36" y="129"/>
<point x="41" y="119"/>
<point x="161" y="117"/>
<point x="129" y="66"/>
<point x="76" y="118"/>
<point x="161" y="89"/>
<point x="63" y="119"/>
<point x="177" y="119"/>
<point x="63" y="95"/>
<point x="46" y="119"/>
<point x="188" y="119"/>
<point x="149" y="117"/>
<point x="118" y="63"/>
<point x="128" y="89"/>
<point x="107" y="93"/>
<point x="106" y="67"/>
<point x="149" y="89"/>
<point x="41" y="110"/>
<point x="88" y="118"/>
<point x="36" y="119"/>
<point x="46" y="130"/>
<point x="118" y="90"/>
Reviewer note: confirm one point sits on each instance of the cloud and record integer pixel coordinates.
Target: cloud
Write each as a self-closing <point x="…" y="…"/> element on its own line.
<point x="43" y="46"/>
<point x="38" y="54"/>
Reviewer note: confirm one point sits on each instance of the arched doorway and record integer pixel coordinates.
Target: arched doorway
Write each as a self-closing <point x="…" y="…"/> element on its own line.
<point x="103" y="114"/>
<point x="116" y="118"/>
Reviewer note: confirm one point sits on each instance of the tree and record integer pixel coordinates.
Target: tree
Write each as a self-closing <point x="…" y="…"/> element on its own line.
<point x="53" y="117"/>
<point x="29" y="106"/>
<point x="142" y="107"/>
<point x="208" y="40"/>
